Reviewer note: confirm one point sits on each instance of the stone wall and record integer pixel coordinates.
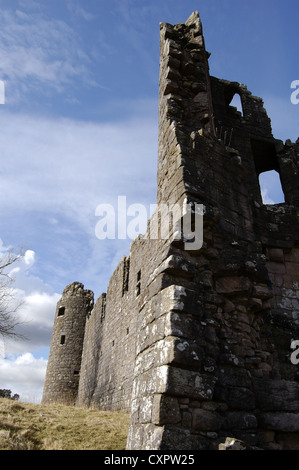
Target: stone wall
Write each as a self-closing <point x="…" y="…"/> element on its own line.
<point x="109" y="349"/>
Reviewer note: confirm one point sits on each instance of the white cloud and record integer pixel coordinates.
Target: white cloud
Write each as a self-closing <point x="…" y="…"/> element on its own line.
<point x="39" y="54"/>
<point x="38" y="309"/>
<point x="68" y="167"/>
<point x="265" y="197"/>
<point x="20" y="371"/>
<point x="23" y="375"/>
<point x="29" y="257"/>
<point x="36" y="304"/>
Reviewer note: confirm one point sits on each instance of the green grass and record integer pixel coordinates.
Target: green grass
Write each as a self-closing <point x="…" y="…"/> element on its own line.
<point x="27" y="426"/>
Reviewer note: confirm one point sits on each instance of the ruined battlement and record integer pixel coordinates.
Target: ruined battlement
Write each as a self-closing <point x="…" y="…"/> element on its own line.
<point x="196" y="344"/>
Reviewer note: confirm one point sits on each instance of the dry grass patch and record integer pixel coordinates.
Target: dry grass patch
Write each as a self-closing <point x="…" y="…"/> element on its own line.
<point x="26" y="426"/>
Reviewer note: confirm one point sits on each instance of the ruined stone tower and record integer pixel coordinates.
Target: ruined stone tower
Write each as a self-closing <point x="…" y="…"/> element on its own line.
<point x="196" y="344"/>
<point x="62" y="378"/>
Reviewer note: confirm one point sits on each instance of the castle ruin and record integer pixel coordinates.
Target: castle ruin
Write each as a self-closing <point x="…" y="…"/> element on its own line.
<point x="196" y="344"/>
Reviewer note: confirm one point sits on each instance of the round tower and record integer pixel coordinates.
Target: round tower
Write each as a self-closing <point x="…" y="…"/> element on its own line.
<point x="63" y="369"/>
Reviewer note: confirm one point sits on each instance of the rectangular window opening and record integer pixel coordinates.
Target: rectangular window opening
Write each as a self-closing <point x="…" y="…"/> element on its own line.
<point x="270" y="187"/>
<point x="61" y="311"/>
<point x="62" y="339"/>
<point x="103" y="307"/>
<point x="267" y="171"/>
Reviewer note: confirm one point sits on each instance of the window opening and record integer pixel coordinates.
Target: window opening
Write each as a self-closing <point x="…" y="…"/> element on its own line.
<point x="62" y="339"/>
<point x="61" y="311"/>
<point x="237" y="103"/>
<point x="264" y="155"/>
<point x="103" y="307"/>
<point x="270" y="186"/>
<point x="138" y="285"/>
<point x="126" y="272"/>
<point x="233" y="99"/>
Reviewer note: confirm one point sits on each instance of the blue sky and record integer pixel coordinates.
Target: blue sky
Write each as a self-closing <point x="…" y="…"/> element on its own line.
<point x="79" y="128"/>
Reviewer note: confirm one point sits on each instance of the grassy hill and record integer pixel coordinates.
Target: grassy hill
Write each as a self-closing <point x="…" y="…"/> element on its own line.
<point x="27" y="426"/>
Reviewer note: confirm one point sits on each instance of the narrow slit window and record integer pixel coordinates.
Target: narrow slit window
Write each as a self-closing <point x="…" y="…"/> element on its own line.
<point x="62" y="339"/>
<point x="103" y="307"/>
<point x="126" y="273"/>
<point x="138" y="285"/>
<point x="61" y="311"/>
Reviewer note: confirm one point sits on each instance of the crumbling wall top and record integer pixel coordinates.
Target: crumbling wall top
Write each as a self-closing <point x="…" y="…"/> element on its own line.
<point x="77" y="289"/>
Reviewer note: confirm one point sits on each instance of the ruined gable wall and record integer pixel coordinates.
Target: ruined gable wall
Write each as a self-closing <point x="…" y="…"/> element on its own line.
<point x="184" y="100"/>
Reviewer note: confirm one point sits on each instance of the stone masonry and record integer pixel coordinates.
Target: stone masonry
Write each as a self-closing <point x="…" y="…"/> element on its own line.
<point x="196" y="344"/>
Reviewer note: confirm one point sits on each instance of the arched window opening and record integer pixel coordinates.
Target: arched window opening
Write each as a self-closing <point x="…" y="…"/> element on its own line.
<point x="271" y="189"/>
<point x="237" y="103"/>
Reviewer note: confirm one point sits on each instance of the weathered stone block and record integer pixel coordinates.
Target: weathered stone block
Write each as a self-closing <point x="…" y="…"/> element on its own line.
<point x="233" y="285"/>
<point x="276" y="254"/>
<point x="166" y="410"/>
<point x="277" y="421"/>
<point x="262" y="292"/>
<point x="188" y="383"/>
<point x="204" y="420"/>
<point x="239" y="420"/>
<point x="277" y="395"/>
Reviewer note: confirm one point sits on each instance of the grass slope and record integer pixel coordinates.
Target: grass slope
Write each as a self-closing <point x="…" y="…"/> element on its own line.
<point x="27" y="426"/>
